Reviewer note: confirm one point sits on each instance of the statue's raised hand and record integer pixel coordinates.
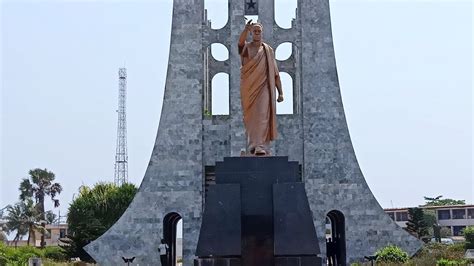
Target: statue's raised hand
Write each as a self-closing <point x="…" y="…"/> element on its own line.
<point x="249" y="25"/>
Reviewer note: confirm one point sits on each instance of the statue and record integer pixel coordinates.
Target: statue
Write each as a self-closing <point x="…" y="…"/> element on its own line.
<point x="259" y="76"/>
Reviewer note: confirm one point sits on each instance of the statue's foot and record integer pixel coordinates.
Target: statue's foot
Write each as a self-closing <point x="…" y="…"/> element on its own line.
<point x="260" y="152"/>
<point x="252" y="151"/>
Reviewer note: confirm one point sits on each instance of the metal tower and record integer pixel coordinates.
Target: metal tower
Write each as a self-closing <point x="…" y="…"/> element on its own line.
<point x="121" y="156"/>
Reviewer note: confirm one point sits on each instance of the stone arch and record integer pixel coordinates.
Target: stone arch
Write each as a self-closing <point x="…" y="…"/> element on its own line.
<point x="287" y="106"/>
<point x="170" y="228"/>
<point x="285" y="13"/>
<point x="335" y="238"/>
<point x="220" y="94"/>
<point x="215" y="13"/>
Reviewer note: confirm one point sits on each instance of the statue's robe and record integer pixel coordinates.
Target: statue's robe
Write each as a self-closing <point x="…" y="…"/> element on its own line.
<point x="257" y="91"/>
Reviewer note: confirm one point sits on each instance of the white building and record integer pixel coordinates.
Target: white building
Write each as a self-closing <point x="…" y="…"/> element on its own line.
<point x="454" y="217"/>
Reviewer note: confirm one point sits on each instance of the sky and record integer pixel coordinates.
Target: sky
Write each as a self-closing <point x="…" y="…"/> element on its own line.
<point x="405" y="72"/>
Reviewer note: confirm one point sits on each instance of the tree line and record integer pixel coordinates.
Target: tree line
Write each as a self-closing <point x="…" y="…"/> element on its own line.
<point x="90" y="214"/>
<point x="28" y="214"/>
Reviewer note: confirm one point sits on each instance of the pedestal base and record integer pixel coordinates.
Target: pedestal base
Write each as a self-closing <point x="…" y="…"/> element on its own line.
<point x="257" y="214"/>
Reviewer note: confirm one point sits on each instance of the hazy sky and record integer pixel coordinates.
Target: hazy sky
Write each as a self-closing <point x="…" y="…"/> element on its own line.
<point x="405" y="70"/>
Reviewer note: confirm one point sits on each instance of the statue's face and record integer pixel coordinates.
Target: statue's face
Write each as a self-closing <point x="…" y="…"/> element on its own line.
<point x="257" y="33"/>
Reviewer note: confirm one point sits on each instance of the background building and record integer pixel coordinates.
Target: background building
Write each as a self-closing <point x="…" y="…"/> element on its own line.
<point x="454" y="217"/>
<point x="53" y="233"/>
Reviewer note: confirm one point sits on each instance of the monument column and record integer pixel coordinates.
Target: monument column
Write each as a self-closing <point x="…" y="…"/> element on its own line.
<point x="266" y="16"/>
<point x="238" y="139"/>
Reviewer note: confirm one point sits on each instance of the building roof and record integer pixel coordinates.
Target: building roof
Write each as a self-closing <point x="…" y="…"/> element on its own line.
<point x="432" y="207"/>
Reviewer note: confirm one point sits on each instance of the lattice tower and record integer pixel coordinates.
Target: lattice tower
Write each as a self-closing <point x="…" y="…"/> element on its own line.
<point x="121" y="156"/>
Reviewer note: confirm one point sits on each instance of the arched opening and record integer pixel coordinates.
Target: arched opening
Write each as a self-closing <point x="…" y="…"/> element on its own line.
<point x="285" y="12"/>
<point x="219" y="52"/>
<point x="335" y="238"/>
<point x="286" y="107"/>
<point x="217" y="12"/>
<point x="283" y="51"/>
<point x="170" y="235"/>
<point x="220" y="94"/>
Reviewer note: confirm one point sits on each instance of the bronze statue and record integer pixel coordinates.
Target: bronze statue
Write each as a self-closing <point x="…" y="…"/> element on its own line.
<point x="259" y="76"/>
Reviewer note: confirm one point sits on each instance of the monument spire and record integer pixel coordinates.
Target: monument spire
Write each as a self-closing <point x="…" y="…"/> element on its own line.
<point x="121" y="156"/>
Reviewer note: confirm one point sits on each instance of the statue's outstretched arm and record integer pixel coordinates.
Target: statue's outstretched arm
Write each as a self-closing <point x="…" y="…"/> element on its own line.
<point x="244" y="34"/>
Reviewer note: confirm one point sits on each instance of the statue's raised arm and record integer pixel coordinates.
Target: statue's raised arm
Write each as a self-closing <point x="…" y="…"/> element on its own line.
<point x="243" y="35"/>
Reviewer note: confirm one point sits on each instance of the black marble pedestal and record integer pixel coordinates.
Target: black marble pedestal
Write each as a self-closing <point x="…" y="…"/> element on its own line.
<point x="257" y="214"/>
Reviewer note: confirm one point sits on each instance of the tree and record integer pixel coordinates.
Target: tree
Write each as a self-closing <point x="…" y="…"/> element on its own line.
<point x="468" y="233"/>
<point x="433" y="229"/>
<point x="3" y="237"/>
<point x="38" y="186"/>
<point x="93" y="212"/>
<point x="23" y="218"/>
<point x="437" y="201"/>
<point x="50" y="217"/>
<point x="416" y="224"/>
<point x="3" y="227"/>
<point x="445" y="232"/>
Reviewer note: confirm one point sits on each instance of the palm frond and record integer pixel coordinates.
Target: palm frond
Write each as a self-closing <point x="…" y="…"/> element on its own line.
<point x="26" y="189"/>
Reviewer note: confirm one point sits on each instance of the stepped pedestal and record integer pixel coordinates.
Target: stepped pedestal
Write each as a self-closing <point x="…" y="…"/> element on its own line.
<point x="257" y="214"/>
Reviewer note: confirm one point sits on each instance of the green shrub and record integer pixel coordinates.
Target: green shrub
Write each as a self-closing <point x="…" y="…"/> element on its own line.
<point x="431" y="253"/>
<point x="421" y="261"/>
<point x="392" y="254"/>
<point x="20" y="255"/>
<point x="468" y="233"/>
<point x="54" y="253"/>
<point x="443" y="251"/>
<point x="3" y="259"/>
<point x="447" y="262"/>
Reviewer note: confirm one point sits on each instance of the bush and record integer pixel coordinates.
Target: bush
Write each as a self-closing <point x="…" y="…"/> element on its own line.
<point x="431" y="253"/>
<point x="446" y="262"/>
<point x="446" y="251"/>
<point x="392" y="254"/>
<point x="469" y="236"/>
<point x="54" y="253"/>
<point x="21" y="255"/>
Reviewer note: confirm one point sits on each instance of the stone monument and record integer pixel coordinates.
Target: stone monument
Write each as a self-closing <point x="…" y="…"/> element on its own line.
<point x="189" y="142"/>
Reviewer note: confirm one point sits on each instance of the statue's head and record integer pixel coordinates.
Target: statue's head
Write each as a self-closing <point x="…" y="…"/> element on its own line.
<point x="257" y="30"/>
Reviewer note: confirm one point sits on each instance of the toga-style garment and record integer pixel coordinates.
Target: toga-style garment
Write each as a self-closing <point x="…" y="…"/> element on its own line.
<point x="257" y="92"/>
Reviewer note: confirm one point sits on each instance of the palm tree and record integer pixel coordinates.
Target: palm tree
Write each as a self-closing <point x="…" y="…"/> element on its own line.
<point x="15" y="222"/>
<point x="40" y="185"/>
<point x="22" y="218"/>
<point x="51" y="217"/>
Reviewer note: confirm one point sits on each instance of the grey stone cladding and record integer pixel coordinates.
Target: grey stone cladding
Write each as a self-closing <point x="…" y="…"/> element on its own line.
<point x="189" y="139"/>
